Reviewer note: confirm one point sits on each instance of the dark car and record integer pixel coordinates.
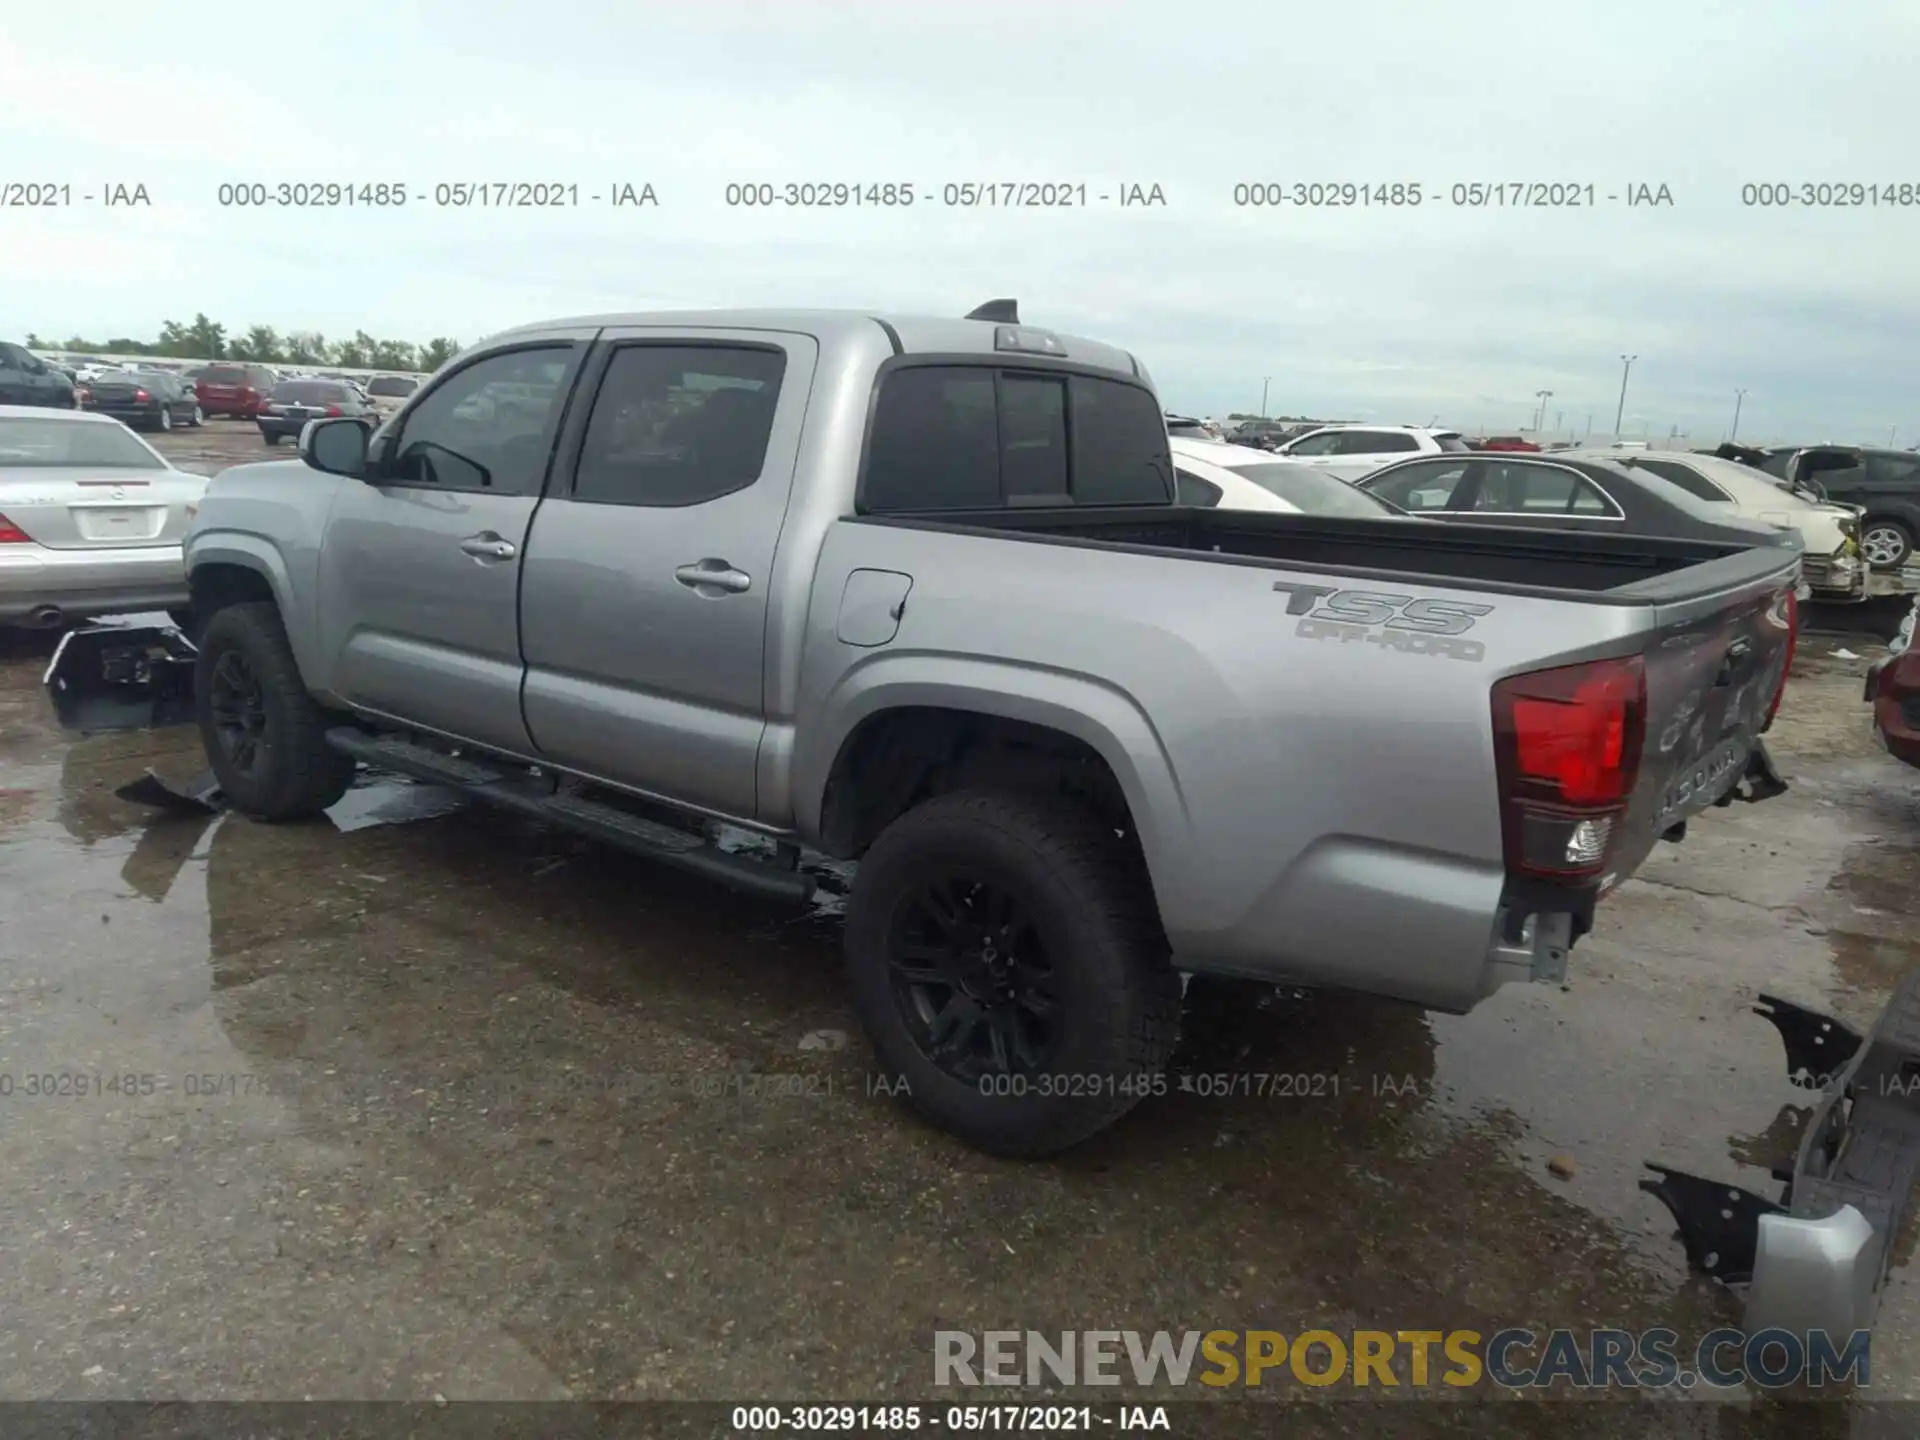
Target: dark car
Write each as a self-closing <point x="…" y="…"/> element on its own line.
<point x="1260" y="434"/>
<point x="236" y="390"/>
<point x="292" y="403"/>
<point x="1884" y="483"/>
<point x="26" y="379"/>
<point x="144" y="399"/>
<point x="1558" y="493"/>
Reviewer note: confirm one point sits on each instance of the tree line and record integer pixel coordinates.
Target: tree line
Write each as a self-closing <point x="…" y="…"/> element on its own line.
<point x="206" y="339"/>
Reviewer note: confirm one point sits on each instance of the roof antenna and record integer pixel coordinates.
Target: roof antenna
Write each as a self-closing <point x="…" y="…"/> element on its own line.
<point x="1000" y="312"/>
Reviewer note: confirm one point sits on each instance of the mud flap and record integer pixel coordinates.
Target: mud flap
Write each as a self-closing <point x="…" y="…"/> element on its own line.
<point x="1816" y="1258"/>
<point x="109" y="676"/>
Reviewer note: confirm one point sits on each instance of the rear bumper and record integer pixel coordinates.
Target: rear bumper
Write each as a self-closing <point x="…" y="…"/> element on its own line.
<point x="1816" y="1259"/>
<point x="90" y="582"/>
<point x="1893" y="689"/>
<point x="132" y="414"/>
<point x="1820" y="1261"/>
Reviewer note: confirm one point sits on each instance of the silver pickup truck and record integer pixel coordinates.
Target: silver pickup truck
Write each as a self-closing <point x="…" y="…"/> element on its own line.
<point x="915" y="592"/>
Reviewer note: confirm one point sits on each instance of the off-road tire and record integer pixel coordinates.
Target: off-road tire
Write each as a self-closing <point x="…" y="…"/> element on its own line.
<point x="1120" y="995"/>
<point x="301" y="775"/>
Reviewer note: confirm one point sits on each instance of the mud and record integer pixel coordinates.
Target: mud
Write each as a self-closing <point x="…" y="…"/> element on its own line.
<point x="427" y="1101"/>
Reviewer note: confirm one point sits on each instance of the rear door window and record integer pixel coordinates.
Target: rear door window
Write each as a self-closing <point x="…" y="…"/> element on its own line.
<point x="1894" y="470"/>
<point x="1376" y="442"/>
<point x="1521" y="489"/>
<point x="1419" y="488"/>
<point x="678" y="425"/>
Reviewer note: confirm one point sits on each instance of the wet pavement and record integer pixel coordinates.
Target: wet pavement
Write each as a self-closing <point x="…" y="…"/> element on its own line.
<point x="424" y="1101"/>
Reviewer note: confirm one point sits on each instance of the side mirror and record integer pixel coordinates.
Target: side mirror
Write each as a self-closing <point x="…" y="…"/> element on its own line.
<point x="338" y="447"/>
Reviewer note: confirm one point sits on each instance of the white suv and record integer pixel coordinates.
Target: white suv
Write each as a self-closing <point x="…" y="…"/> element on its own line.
<point x="1350" y="451"/>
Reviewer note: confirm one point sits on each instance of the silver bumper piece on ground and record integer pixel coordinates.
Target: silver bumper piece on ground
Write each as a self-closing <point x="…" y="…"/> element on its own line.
<point x="1816" y="1259"/>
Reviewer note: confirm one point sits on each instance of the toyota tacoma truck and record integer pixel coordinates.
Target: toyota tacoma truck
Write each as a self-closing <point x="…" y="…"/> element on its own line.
<point x="914" y="592"/>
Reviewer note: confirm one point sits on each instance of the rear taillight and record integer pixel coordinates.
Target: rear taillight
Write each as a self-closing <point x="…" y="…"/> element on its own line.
<point x="141" y="395"/>
<point x="335" y="410"/>
<point x="1567" y="744"/>
<point x="12" y="534"/>
<point x="1783" y="614"/>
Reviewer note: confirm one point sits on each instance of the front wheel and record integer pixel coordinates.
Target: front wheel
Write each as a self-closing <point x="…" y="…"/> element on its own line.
<point x="165" y="422"/>
<point x="265" y="738"/>
<point x="1007" y="964"/>
<point x="272" y="437"/>
<point x="199" y="417"/>
<point x="1886" y="544"/>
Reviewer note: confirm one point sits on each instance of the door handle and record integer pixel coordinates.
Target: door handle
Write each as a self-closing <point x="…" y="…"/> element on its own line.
<point x="714" y="575"/>
<point x="489" y="546"/>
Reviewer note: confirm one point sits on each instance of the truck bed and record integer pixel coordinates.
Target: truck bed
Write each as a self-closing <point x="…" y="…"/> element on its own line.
<point x="1603" y="568"/>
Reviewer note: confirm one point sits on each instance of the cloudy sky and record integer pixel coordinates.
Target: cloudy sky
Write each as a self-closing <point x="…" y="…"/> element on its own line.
<point x="1396" y="314"/>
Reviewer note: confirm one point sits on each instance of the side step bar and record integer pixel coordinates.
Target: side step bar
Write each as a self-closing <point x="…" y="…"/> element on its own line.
<point x="525" y="795"/>
<point x="1817" y="1257"/>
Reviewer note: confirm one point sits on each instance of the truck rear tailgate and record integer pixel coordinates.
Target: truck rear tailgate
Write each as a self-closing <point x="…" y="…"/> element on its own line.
<point x="1715" y="667"/>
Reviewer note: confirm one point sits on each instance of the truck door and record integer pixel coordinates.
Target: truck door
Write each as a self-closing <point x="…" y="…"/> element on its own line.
<point x="646" y="591"/>
<point x="420" y="567"/>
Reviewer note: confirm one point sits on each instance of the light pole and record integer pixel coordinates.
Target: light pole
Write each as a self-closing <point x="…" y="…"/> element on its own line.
<point x="1263" y="396"/>
<point x="1892" y="430"/>
<point x="1540" y="417"/>
<point x="1739" y="397"/>
<point x="1626" y="368"/>
<point x="1589" y="434"/>
<point x="1558" y="416"/>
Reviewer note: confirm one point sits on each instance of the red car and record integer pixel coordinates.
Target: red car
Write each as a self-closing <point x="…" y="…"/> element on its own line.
<point x="1508" y="442"/>
<point x="236" y="390"/>
<point x="1893" y="689"/>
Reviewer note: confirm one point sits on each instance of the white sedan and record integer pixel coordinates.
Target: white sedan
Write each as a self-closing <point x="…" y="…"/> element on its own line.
<point x="1238" y="477"/>
<point x="91" y="519"/>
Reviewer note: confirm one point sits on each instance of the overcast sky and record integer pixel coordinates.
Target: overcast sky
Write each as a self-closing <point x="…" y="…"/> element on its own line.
<point x="1390" y="314"/>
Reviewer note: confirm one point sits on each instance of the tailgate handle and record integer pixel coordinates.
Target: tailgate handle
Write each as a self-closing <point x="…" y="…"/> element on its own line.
<point x="1735" y="663"/>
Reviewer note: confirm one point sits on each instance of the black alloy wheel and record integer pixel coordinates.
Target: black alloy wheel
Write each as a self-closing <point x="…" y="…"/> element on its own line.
<point x="972" y="979"/>
<point x="237" y="703"/>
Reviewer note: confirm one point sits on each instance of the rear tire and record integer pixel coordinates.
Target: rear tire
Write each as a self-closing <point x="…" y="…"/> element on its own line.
<point x="272" y="437"/>
<point x="265" y="738"/>
<point x="1088" y="947"/>
<point x="1886" y="544"/>
<point x="199" y="417"/>
<point x="165" y="422"/>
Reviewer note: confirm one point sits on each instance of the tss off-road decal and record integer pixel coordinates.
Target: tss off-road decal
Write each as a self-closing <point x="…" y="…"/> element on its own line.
<point x="1392" y="622"/>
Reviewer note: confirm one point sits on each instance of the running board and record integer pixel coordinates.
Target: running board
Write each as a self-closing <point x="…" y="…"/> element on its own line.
<point x="525" y="795"/>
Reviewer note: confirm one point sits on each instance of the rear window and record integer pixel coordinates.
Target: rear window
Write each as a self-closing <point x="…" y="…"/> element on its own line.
<point x="1312" y="491"/>
<point x="1687" y="478"/>
<point x="970" y="437"/>
<point x="51" y="444"/>
<point x="224" y="375"/>
<point x="1190" y="489"/>
<point x="308" y="392"/>
<point x="391" y="385"/>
